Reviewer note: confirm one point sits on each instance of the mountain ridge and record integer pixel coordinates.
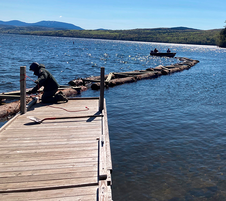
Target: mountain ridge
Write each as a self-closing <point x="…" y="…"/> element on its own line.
<point x="64" y="26"/>
<point x="50" y="24"/>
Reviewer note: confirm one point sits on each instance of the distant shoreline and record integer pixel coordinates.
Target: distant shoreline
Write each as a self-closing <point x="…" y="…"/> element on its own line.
<point x="161" y="35"/>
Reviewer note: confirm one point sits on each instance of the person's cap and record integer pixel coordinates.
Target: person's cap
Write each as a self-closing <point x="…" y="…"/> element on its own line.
<point x="34" y="66"/>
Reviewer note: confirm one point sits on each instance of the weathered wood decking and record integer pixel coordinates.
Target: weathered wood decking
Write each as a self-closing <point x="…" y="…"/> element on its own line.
<point x="65" y="159"/>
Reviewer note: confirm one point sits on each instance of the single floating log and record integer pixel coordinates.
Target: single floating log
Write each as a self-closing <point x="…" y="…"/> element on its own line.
<point x="9" y="109"/>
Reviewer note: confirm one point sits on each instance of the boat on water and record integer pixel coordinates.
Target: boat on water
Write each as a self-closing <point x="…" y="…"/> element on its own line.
<point x="163" y="54"/>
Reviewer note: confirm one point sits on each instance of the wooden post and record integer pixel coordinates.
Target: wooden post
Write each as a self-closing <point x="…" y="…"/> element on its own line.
<point x="101" y="100"/>
<point x="23" y="89"/>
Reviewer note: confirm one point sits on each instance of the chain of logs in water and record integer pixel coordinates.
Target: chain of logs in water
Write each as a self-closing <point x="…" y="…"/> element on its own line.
<point x="113" y="79"/>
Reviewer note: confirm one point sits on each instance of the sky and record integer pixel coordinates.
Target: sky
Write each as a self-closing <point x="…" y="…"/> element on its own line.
<point x="119" y="14"/>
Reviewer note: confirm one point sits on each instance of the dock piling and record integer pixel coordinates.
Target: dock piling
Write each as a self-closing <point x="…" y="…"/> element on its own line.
<point x="101" y="101"/>
<point x="23" y="89"/>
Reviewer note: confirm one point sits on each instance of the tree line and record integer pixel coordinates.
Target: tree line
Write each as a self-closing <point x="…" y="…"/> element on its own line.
<point x="179" y="35"/>
<point x="222" y="40"/>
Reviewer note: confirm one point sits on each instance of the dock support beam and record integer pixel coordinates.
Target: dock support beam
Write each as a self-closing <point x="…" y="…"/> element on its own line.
<point x="101" y="101"/>
<point x="23" y="89"/>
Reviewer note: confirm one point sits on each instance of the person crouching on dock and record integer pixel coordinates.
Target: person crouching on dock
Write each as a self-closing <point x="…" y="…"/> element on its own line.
<point x="46" y="79"/>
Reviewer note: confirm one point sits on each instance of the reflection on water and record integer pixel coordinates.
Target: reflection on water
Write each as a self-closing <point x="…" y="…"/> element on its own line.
<point x="167" y="134"/>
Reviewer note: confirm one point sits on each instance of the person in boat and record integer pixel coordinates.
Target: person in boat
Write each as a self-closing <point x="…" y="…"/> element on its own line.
<point x="168" y="51"/>
<point x="46" y="79"/>
<point x="155" y="50"/>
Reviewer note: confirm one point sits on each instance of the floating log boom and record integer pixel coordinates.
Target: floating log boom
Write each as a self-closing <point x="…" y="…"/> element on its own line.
<point x="114" y="79"/>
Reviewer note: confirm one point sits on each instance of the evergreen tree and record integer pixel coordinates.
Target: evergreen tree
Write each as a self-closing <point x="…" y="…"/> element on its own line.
<point x="222" y="42"/>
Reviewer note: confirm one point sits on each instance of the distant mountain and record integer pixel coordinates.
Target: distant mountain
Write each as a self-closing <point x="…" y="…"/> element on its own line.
<point x="101" y="29"/>
<point x="183" y="28"/>
<point x="14" y="23"/>
<point x="50" y="24"/>
<point x="172" y="29"/>
<point x="54" y="24"/>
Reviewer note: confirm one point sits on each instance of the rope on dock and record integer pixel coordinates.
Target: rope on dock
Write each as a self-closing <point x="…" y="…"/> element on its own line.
<point x="7" y="110"/>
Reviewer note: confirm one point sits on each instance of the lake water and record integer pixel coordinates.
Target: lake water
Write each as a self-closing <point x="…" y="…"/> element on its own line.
<point x="168" y="135"/>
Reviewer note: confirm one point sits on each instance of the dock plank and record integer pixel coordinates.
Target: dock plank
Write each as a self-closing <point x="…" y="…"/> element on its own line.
<point x="67" y="194"/>
<point x="59" y="170"/>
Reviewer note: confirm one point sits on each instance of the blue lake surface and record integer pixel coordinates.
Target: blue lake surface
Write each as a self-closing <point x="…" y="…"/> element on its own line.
<point x="168" y="135"/>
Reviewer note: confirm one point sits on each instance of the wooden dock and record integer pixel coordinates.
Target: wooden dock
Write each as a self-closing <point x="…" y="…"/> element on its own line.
<point x="61" y="159"/>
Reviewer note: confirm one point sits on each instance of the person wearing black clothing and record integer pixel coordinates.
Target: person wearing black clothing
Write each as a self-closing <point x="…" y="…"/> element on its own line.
<point x="46" y="79"/>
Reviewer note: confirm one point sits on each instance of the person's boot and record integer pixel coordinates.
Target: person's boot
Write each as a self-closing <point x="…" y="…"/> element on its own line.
<point x="61" y="97"/>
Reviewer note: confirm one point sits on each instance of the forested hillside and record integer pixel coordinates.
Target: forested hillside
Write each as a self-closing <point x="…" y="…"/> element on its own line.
<point x="165" y="35"/>
<point x="222" y="41"/>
